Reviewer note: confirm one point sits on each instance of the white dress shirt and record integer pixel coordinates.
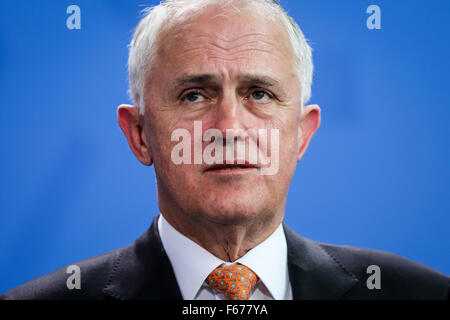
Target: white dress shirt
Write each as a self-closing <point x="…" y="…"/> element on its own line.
<point x="192" y="264"/>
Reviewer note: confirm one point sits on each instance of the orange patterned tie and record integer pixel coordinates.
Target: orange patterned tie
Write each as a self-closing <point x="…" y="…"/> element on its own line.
<point x="236" y="282"/>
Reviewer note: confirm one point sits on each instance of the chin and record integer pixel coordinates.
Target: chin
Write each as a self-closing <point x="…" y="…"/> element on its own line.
<point x="231" y="213"/>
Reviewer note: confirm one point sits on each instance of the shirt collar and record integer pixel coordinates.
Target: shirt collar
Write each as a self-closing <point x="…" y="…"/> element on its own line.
<point x="192" y="263"/>
<point x="269" y="261"/>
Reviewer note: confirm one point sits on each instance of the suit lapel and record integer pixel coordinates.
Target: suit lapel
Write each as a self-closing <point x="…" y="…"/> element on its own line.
<point x="142" y="270"/>
<point x="315" y="274"/>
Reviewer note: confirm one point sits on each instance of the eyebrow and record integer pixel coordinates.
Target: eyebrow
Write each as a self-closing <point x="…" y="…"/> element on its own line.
<point x="200" y="79"/>
<point x="261" y="80"/>
<point x="213" y="80"/>
<point x="265" y="81"/>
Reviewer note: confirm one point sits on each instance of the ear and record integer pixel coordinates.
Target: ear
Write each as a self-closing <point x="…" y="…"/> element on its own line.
<point x="130" y="122"/>
<point x="309" y="123"/>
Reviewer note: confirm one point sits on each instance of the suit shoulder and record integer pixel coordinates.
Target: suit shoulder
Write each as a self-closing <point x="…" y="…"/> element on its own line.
<point x="94" y="273"/>
<point x="399" y="277"/>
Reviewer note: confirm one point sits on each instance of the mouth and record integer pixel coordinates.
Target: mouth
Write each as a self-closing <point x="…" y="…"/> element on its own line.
<point x="232" y="168"/>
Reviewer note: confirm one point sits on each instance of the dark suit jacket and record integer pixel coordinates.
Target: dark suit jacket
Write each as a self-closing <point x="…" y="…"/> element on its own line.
<point x="142" y="270"/>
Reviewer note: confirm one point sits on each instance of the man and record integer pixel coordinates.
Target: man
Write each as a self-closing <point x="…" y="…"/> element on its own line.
<point x="229" y="70"/>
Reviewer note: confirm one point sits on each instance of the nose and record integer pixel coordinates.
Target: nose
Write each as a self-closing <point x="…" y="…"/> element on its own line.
<point x="229" y="115"/>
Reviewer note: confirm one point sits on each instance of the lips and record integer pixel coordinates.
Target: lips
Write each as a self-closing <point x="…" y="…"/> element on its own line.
<point x="231" y="166"/>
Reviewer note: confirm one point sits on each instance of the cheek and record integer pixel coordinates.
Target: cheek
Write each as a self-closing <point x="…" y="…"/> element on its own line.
<point x="289" y="145"/>
<point x="160" y="126"/>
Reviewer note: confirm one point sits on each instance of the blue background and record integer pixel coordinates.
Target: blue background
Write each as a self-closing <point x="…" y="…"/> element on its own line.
<point x="376" y="175"/>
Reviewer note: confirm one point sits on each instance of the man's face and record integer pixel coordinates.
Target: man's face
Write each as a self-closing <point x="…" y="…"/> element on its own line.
<point x="233" y="72"/>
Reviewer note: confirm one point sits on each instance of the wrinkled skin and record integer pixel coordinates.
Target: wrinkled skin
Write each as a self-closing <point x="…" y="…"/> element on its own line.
<point x="229" y="70"/>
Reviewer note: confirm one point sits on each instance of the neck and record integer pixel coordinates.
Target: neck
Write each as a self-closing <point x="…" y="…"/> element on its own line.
<point x="227" y="241"/>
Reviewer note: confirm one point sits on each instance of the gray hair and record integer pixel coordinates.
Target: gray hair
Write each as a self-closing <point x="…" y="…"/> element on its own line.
<point x="170" y="12"/>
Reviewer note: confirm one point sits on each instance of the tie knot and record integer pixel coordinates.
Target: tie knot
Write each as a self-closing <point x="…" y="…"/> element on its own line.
<point x="236" y="282"/>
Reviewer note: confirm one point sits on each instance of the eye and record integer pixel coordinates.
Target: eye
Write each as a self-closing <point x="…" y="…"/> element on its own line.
<point x="261" y="95"/>
<point x="193" y="96"/>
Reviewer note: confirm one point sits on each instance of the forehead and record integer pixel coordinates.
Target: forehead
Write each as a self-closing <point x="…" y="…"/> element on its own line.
<point x="228" y="42"/>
